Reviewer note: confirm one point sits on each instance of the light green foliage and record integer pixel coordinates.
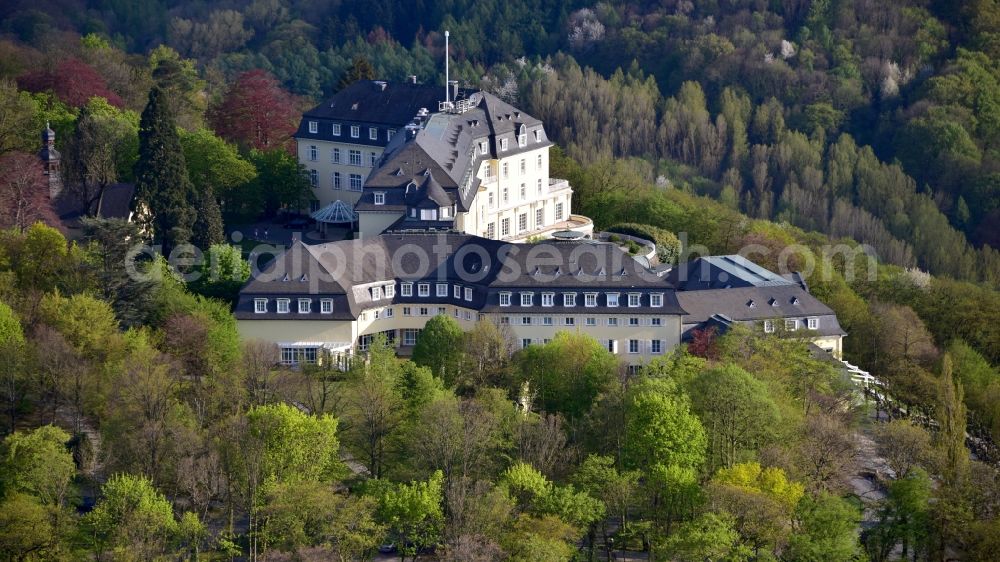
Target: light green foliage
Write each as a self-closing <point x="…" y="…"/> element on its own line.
<point x="222" y="273"/>
<point x="294" y="446"/>
<point x="38" y="464"/>
<point x="412" y="512"/>
<point x="567" y="373"/>
<point x="710" y="536"/>
<point x="11" y="333"/>
<point x="826" y="530"/>
<point x="737" y="413"/>
<point x="440" y="348"/>
<point x="661" y="430"/>
<point x="41" y="260"/>
<point x="132" y="519"/>
<point x="214" y="165"/>
<point x="770" y="481"/>
<point x="540" y="539"/>
<point x="26" y="530"/>
<point x="87" y="323"/>
<point x="535" y="494"/>
<point x="17" y="128"/>
<point x="679" y="366"/>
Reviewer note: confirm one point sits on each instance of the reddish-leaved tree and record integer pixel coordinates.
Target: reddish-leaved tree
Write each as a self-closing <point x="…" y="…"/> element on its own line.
<point x="24" y="192"/>
<point x="72" y="81"/>
<point x="256" y="112"/>
<point x="703" y="343"/>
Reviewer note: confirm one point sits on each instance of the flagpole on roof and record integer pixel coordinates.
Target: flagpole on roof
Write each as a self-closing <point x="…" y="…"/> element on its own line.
<point x="447" y="95"/>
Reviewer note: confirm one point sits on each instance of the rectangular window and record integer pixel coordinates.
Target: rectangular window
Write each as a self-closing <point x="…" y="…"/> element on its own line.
<point x="336" y="180"/>
<point x="525" y="320"/>
<point x="491" y="230"/>
<point x="390" y="290"/>
<point x="505" y="227"/>
<point x="505" y="319"/>
<point x="538" y="137"/>
<point x="410" y="336"/>
<point x="313" y="127"/>
<point x="791" y="324"/>
<point x="468" y="315"/>
<point x="379" y="198"/>
<point x="355" y="182"/>
<point x="335" y="156"/>
<point x="656" y="321"/>
<point x="522" y="222"/>
<point x="468" y="294"/>
<point x="457" y="291"/>
<point x="656" y="347"/>
<point x="769" y="326"/>
<point x="354" y="157"/>
<point x="547" y="320"/>
<point x="372" y="133"/>
<point x="590" y="299"/>
<point x="490" y="199"/>
<point x="424" y="290"/>
<point x="506" y="195"/>
<point x="524" y="166"/>
<point x="313" y="178"/>
<point x="539" y="218"/>
<point x="525" y="342"/>
<point x="548" y="299"/>
<point x="591" y="321"/>
<point x="538" y="189"/>
<point x="336" y="129"/>
<point x="524" y="192"/>
<point x="313" y="153"/>
<point x="813" y="323"/>
<point x="442" y="289"/>
<point x="406" y="289"/>
<point x="503" y="145"/>
<point x="406" y="311"/>
<point x="559" y="211"/>
<point x="287" y="356"/>
<point x="283" y="306"/>
<point x="633" y="346"/>
<point x="612" y="299"/>
<point x="260" y="306"/>
<point x="376" y="293"/>
<point x="424" y="311"/>
<point x="613" y="321"/>
<point x="326" y="306"/>
<point x="538" y="163"/>
<point x="442" y="310"/>
<point x="504" y="299"/>
<point x="612" y="346"/>
<point x="569" y="299"/>
<point x="378" y="314"/>
<point x="633" y="299"/>
<point x="389" y="133"/>
<point x="527" y="299"/>
<point x="656" y="300"/>
<point x="372" y="159"/>
<point x="483" y="147"/>
<point x="633" y="321"/>
<point x="388" y="312"/>
<point x="355" y="131"/>
<point x="506" y="170"/>
<point x="569" y="321"/>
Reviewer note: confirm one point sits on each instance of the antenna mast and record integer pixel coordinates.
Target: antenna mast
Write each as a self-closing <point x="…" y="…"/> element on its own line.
<point x="447" y="84"/>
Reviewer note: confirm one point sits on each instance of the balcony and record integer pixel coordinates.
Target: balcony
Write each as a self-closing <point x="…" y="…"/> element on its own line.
<point x="556" y="184"/>
<point x="575" y="223"/>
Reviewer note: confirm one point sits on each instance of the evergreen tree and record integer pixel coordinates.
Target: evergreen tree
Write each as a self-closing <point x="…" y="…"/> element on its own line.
<point x="163" y="189"/>
<point x="361" y="69"/>
<point x="952" y="419"/>
<point x="208" y="225"/>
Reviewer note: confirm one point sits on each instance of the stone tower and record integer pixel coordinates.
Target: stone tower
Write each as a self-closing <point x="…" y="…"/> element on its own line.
<point x="50" y="162"/>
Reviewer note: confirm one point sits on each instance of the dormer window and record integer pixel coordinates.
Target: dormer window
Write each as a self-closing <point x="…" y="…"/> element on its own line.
<point x="260" y="306"/>
<point x="379" y="197"/>
<point x="773" y="302"/>
<point x="389" y="133"/>
<point x="504" y="299"/>
<point x="484" y="148"/>
<point x="373" y="133"/>
<point x="445" y="212"/>
<point x="336" y="129"/>
<point x="442" y="289"/>
<point x="503" y="145"/>
<point x="313" y="127"/>
<point x="751" y="304"/>
<point x="283" y="306"/>
<point x="424" y="290"/>
<point x="538" y="136"/>
<point x="612" y="299"/>
<point x="326" y="306"/>
<point x="813" y="323"/>
<point x="355" y="131"/>
<point x="590" y="300"/>
<point x="656" y="300"/>
<point x="791" y="324"/>
<point x="389" y="290"/>
<point x="795" y="301"/>
<point x="527" y="299"/>
<point x="468" y="294"/>
<point x="406" y="289"/>
<point x="522" y="137"/>
<point x="376" y="293"/>
<point x="548" y="299"/>
<point x="569" y="299"/>
<point x="633" y="299"/>
<point x="305" y="306"/>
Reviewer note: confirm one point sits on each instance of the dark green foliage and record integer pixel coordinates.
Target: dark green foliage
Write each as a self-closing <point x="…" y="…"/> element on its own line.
<point x="360" y="69"/>
<point x="439" y="347"/>
<point x="208" y="226"/>
<point x="163" y="189"/>
<point x="668" y="247"/>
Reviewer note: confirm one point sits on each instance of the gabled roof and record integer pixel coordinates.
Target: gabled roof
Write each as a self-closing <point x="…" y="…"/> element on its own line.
<point x="743" y="304"/>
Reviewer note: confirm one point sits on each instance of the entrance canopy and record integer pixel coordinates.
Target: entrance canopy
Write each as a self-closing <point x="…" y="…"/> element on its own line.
<point x="335" y="213"/>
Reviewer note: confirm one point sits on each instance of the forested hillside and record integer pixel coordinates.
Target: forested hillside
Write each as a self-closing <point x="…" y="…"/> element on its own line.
<point x="874" y="120"/>
<point x="137" y="426"/>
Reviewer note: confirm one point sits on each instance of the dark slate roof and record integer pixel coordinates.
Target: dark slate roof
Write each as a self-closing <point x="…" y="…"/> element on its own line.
<point x="375" y="101"/>
<point x="115" y="203"/>
<point x="720" y="272"/>
<point x="784" y="301"/>
<point x="446" y="147"/>
<point x="346" y="270"/>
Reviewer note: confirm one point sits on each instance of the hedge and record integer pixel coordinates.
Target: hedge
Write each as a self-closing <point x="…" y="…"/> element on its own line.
<point x="668" y="246"/>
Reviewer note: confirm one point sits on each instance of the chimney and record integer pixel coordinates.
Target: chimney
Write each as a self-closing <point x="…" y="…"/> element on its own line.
<point x="50" y="162"/>
<point x="453" y="87"/>
<point x="413" y="78"/>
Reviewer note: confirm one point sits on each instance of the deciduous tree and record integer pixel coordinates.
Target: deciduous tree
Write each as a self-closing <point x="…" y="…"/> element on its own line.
<point x="256" y="112"/>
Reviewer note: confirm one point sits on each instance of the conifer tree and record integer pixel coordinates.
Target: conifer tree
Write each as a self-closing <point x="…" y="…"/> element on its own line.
<point x="163" y="189"/>
<point x="360" y="69"/>
<point x="208" y="225"/>
<point x="952" y="417"/>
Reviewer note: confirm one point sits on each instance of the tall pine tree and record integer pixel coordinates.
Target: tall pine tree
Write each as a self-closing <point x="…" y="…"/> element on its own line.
<point x="208" y="225"/>
<point x="163" y="189"/>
